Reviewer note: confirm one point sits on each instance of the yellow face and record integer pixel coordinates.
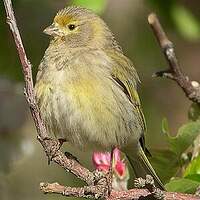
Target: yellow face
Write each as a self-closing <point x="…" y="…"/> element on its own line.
<point x="63" y="26"/>
<point x="78" y="27"/>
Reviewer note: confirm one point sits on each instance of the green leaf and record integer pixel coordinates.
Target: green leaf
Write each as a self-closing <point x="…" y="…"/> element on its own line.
<point x="165" y="163"/>
<point x="194" y="112"/>
<point x="185" y="137"/>
<point x="193" y="168"/>
<point x="182" y="185"/>
<point x="194" y="177"/>
<point x="185" y="22"/>
<point x="97" y="6"/>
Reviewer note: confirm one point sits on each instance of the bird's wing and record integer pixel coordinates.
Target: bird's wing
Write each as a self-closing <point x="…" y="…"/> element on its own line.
<point x="125" y="75"/>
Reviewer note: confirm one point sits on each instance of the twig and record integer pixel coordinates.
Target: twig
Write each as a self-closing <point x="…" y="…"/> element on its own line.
<point x="96" y="192"/>
<point x="51" y="146"/>
<point x="26" y="68"/>
<point x="88" y="192"/>
<point x="191" y="88"/>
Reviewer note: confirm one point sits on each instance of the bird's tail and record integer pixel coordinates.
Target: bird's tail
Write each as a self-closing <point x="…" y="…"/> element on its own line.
<point x="142" y="166"/>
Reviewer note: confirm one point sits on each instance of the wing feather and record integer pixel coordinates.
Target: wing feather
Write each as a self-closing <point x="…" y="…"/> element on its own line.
<point x="125" y="75"/>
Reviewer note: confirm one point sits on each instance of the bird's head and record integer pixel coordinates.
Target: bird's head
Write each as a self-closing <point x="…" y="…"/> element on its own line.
<point x="78" y="27"/>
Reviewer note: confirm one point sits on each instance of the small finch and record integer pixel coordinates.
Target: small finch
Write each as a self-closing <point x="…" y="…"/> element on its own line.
<point x="86" y="89"/>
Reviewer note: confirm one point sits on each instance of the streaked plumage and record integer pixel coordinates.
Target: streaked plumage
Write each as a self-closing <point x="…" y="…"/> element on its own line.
<point x="86" y="87"/>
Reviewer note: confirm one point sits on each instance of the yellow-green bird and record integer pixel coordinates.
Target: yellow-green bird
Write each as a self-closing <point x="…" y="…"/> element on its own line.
<point x="86" y="89"/>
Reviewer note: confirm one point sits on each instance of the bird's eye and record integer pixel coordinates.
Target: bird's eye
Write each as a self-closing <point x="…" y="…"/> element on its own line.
<point x="71" y="27"/>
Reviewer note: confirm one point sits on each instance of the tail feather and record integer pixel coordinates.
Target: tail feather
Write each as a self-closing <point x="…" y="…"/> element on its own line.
<point x="141" y="166"/>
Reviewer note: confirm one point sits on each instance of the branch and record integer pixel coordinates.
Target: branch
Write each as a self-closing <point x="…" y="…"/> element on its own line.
<point x="93" y="192"/>
<point x="191" y="88"/>
<point x="51" y="146"/>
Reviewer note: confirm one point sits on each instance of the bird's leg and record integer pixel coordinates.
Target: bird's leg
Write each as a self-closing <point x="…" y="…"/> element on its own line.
<point x="110" y="173"/>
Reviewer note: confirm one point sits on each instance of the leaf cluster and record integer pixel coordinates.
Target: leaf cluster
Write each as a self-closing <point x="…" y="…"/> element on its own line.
<point x="176" y="165"/>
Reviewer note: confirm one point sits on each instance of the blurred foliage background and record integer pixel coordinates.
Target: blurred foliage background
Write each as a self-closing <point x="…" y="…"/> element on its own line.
<point x="23" y="164"/>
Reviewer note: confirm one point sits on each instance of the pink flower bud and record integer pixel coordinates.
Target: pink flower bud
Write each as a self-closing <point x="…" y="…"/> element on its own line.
<point x="101" y="162"/>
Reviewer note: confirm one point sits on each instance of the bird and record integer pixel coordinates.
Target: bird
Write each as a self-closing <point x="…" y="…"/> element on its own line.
<point x="86" y="89"/>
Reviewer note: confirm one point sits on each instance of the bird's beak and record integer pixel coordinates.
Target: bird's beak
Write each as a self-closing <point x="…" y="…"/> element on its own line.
<point x="51" y="30"/>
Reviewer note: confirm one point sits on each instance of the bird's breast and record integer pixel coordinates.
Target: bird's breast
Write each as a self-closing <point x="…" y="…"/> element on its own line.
<point x="84" y="106"/>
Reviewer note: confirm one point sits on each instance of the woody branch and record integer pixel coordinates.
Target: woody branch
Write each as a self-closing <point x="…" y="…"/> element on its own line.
<point x="174" y="72"/>
<point x="51" y="146"/>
